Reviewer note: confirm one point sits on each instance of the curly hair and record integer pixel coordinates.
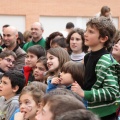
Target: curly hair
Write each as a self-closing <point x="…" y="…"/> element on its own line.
<point x="105" y="27"/>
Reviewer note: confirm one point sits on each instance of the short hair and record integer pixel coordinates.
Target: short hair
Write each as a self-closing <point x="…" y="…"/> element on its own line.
<point x="63" y="91"/>
<point x="51" y="37"/>
<point x="41" y="86"/>
<point x="104" y="9"/>
<point x="81" y="33"/>
<point x="76" y="70"/>
<point x="43" y="60"/>
<point x="58" y="104"/>
<point x="61" y="54"/>
<point x="7" y="53"/>
<point x="116" y="36"/>
<point x="69" y="25"/>
<point x="61" y="41"/>
<point x="37" y="50"/>
<point x="26" y="35"/>
<point x="6" y="25"/>
<point x="105" y="27"/>
<point x="33" y="90"/>
<point x="79" y="114"/>
<point x="16" y="78"/>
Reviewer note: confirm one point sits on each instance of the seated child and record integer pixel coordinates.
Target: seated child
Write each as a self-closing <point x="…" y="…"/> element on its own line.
<point x="33" y="54"/>
<point x="79" y="114"/>
<point x="29" y="100"/>
<point x="40" y="69"/>
<point x="11" y="85"/>
<point x="54" y="105"/>
<point x="7" y="61"/>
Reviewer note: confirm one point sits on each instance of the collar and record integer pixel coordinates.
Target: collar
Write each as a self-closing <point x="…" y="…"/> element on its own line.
<point x="37" y="41"/>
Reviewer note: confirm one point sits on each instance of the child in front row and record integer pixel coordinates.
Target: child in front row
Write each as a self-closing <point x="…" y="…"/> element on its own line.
<point x="33" y="54"/>
<point x="11" y="85"/>
<point x="40" y="69"/>
<point x="29" y="100"/>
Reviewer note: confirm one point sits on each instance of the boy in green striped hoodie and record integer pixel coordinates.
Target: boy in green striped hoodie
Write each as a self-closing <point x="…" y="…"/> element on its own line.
<point x="101" y="85"/>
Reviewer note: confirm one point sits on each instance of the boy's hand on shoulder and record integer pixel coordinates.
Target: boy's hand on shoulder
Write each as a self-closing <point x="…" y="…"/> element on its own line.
<point x="77" y="89"/>
<point x="19" y="116"/>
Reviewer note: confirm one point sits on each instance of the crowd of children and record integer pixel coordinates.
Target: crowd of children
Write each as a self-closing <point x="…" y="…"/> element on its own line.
<point x="65" y="80"/>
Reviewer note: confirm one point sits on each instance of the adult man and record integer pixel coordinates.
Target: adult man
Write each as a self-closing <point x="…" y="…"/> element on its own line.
<point x="36" y="32"/>
<point x="69" y="28"/>
<point x="10" y="35"/>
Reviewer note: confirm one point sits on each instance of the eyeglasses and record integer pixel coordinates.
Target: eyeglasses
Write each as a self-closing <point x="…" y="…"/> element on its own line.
<point x="9" y="60"/>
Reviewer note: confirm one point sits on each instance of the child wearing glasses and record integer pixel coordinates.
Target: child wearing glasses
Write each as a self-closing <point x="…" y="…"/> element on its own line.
<point x="7" y="61"/>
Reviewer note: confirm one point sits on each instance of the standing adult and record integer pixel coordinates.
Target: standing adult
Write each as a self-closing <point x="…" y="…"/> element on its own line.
<point x="69" y="27"/>
<point x="10" y="35"/>
<point x="37" y="39"/>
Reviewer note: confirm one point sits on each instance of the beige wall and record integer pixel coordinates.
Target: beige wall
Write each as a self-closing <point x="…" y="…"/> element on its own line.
<point x="33" y="9"/>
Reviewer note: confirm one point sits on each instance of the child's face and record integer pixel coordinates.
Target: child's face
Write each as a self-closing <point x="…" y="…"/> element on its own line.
<point x="66" y="79"/>
<point x="52" y="62"/>
<point x="76" y="43"/>
<point x="39" y="71"/>
<point x="116" y="51"/>
<point x="31" y="60"/>
<point x="28" y="106"/>
<point x="7" y="63"/>
<point x="6" y="89"/>
<point x="92" y="38"/>
<point x="44" y="114"/>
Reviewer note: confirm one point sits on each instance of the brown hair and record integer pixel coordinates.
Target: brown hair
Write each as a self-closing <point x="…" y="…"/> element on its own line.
<point x="7" y="53"/>
<point x="27" y="34"/>
<point x="62" y="56"/>
<point x="117" y="36"/>
<point x="34" y="91"/>
<point x="105" y="27"/>
<point x="58" y="104"/>
<point x="81" y="33"/>
<point x="79" y="114"/>
<point x="76" y="70"/>
<point x="104" y="10"/>
<point x="41" y="86"/>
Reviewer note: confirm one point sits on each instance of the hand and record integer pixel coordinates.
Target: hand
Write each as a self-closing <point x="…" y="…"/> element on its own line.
<point x="19" y="116"/>
<point x="77" y="89"/>
<point x="55" y="80"/>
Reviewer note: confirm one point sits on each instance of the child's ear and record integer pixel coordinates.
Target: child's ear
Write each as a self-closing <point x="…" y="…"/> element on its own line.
<point x="1" y="60"/>
<point x="103" y="40"/>
<point x="15" y="89"/>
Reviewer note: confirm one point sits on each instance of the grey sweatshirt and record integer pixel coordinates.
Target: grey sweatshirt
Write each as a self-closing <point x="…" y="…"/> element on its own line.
<point x="8" y="107"/>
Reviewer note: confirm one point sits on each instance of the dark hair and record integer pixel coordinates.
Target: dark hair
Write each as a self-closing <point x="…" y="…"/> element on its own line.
<point x="104" y="9"/>
<point x="16" y="78"/>
<point x="7" y="53"/>
<point x="37" y="50"/>
<point x="105" y="27"/>
<point x="81" y="33"/>
<point x="76" y="70"/>
<point x="34" y="91"/>
<point x="43" y="60"/>
<point x="51" y="37"/>
<point x="61" y="41"/>
<point x="6" y="25"/>
<point x="69" y="25"/>
<point x="79" y="114"/>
